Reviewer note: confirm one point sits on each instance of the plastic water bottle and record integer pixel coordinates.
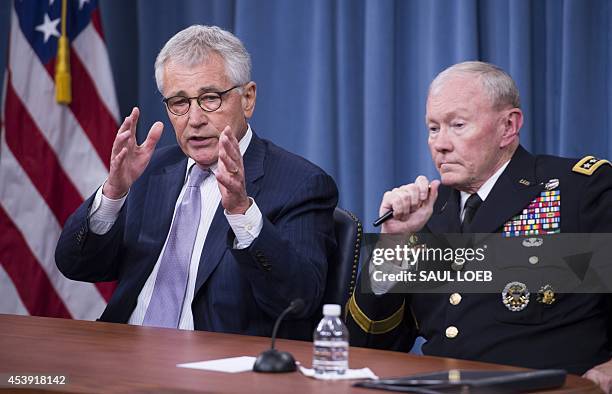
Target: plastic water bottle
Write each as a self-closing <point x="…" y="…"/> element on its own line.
<point x="331" y="342"/>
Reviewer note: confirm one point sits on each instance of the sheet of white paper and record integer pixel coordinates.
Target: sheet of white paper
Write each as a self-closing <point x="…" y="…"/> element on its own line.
<point x="231" y="365"/>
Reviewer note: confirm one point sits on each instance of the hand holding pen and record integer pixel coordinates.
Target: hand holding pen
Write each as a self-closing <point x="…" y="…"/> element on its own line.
<point x="407" y="208"/>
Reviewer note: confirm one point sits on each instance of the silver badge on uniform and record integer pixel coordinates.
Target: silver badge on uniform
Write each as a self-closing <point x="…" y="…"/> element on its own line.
<point x="552" y="184"/>
<point x="531" y="242"/>
<point x="515" y="296"/>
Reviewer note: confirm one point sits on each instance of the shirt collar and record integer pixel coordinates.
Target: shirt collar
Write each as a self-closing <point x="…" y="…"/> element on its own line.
<point x="243" y="144"/>
<point x="486" y="187"/>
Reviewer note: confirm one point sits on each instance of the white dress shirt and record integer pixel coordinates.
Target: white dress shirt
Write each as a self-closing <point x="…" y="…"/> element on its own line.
<point x="104" y="212"/>
<point x="484" y="190"/>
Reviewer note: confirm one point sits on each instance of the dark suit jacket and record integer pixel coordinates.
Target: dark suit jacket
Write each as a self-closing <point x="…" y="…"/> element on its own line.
<point x="237" y="291"/>
<point x="540" y="336"/>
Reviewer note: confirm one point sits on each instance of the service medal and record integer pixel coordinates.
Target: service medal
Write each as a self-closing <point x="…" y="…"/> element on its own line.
<point x="515" y="296"/>
<point x="546" y="295"/>
<point x="542" y="215"/>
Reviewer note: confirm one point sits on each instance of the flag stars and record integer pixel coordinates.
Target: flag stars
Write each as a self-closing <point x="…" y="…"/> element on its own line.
<point x="49" y="28"/>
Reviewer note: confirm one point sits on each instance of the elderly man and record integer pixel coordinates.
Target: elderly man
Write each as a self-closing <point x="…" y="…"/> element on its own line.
<point x="487" y="180"/>
<point x="217" y="233"/>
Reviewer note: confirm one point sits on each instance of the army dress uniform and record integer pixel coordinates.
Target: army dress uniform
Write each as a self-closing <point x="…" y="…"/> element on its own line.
<point x="539" y="330"/>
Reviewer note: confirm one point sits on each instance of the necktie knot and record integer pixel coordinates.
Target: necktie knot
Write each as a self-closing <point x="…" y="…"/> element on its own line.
<point x="473" y="202"/>
<point x="197" y="176"/>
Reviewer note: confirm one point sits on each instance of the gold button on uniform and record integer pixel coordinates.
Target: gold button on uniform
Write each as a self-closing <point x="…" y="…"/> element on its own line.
<point x="451" y="332"/>
<point x="455" y="298"/>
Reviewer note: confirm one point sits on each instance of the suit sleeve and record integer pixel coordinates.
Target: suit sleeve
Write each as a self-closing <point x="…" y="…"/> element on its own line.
<point x="82" y="255"/>
<point x="288" y="259"/>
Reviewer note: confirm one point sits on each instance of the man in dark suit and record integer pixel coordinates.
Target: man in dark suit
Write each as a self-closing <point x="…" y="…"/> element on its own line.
<point x="219" y="233"/>
<point x="488" y="184"/>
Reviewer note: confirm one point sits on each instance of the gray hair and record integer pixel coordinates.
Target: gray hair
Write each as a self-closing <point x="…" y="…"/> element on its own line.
<point x="195" y="44"/>
<point x="498" y="85"/>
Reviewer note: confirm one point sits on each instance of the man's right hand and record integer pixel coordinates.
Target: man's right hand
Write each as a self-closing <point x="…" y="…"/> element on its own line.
<point x="128" y="159"/>
<point x="412" y="206"/>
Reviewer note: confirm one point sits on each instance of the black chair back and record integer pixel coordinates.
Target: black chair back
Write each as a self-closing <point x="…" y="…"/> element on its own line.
<point x="342" y="269"/>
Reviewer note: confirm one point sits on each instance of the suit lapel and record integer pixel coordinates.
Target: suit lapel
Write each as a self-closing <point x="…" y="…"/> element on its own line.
<point x="163" y="189"/>
<point x="218" y="239"/>
<point x="253" y="159"/>
<point x="214" y="247"/>
<point x="513" y="191"/>
<point x="515" y="188"/>
<point x="445" y="218"/>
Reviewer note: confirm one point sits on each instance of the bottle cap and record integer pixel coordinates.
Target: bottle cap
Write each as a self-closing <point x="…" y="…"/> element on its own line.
<point x="331" y="310"/>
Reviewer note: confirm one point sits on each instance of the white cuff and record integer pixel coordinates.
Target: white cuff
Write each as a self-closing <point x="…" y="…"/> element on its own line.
<point x="383" y="287"/>
<point x="246" y="227"/>
<point x="104" y="212"/>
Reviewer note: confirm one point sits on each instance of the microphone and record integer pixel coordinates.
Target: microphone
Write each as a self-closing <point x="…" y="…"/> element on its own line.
<point x="272" y="360"/>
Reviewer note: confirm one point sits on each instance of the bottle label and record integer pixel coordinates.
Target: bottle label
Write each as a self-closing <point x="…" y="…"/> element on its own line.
<point x="324" y="343"/>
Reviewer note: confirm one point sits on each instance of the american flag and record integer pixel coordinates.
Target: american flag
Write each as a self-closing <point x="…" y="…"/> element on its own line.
<point x="52" y="156"/>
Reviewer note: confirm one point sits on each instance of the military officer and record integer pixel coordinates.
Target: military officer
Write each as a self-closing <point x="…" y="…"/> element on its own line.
<point x="487" y="181"/>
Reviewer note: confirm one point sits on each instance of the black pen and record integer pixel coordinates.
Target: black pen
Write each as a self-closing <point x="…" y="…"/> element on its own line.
<point x="386" y="216"/>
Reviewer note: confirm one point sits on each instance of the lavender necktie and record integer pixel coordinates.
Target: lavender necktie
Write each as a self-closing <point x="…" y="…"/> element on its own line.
<point x="171" y="283"/>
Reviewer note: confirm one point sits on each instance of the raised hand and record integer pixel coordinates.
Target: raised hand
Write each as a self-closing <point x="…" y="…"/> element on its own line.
<point x="412" y="206"/>
<point x="230" y="175"/>
<point x="128" y="159"/>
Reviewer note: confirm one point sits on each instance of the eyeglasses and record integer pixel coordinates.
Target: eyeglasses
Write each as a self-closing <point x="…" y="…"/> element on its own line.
<point x="209" y="102"/>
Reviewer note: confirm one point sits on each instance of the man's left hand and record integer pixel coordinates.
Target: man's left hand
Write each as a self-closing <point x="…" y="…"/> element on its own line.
<point x="230" y="175"/>
<point x="602" y="375"/>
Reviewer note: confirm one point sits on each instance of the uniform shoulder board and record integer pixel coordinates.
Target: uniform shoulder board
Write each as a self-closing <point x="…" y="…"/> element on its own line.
<point x="588" y="165"/>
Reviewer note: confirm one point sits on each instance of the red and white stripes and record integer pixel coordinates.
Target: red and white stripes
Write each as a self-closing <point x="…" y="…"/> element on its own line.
<point x="52" y="157"/>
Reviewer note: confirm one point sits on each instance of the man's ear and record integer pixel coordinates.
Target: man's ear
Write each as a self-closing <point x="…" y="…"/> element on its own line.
<point x="512" y="123"/>
<point x="249" y="97"/>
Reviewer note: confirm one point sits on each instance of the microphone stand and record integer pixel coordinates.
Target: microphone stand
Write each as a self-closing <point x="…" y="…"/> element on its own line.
<point x="272" y="360"/>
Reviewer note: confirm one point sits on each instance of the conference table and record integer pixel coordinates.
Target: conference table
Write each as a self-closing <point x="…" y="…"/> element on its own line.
<point x="119" y="358"/>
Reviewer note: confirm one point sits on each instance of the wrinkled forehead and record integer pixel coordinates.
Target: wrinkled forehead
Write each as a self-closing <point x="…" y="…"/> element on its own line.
<point x="208" y="74"/>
